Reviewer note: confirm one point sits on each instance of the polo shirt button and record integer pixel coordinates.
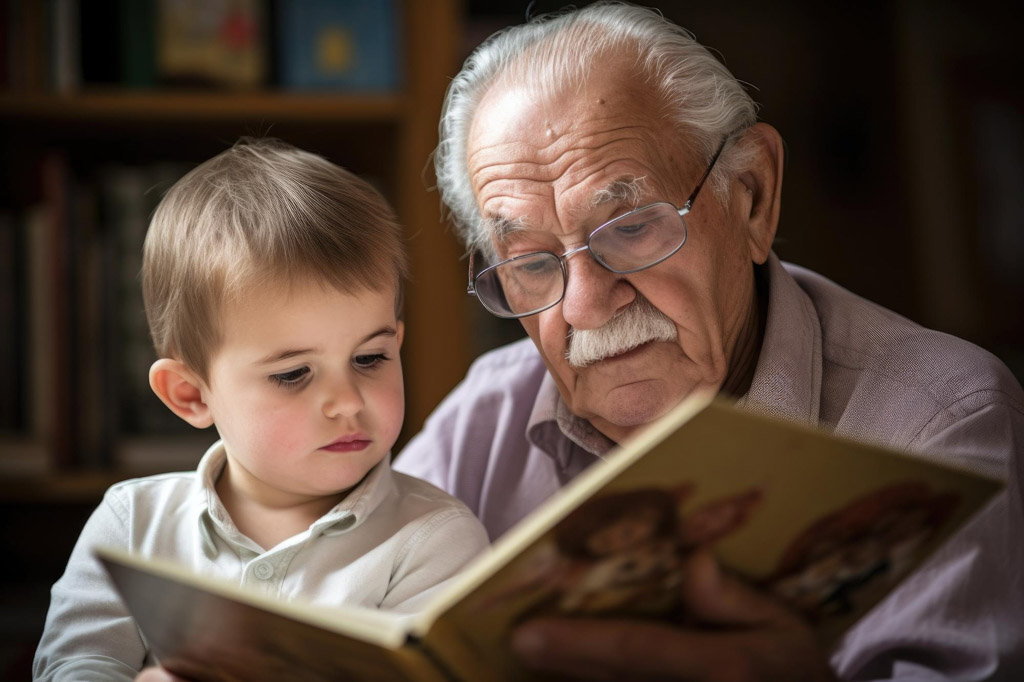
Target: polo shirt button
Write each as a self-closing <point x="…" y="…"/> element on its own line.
<point x="263" y="571"/>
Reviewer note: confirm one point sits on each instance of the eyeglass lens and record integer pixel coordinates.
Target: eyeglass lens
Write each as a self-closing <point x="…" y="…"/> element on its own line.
<point x="635" y="241"/>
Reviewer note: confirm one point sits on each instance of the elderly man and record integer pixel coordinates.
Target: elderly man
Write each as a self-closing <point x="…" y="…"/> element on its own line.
<point x="621" y="202"/>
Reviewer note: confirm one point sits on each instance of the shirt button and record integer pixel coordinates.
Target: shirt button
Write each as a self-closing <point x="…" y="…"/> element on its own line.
<point x="263" y="571"/>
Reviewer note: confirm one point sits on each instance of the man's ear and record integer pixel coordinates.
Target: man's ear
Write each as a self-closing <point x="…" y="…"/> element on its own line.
<point x="181" y="391"/>
<point x="760" y="187"/>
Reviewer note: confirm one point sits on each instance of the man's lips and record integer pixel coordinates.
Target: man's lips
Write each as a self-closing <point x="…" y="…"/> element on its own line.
<point x="352" y="443"/>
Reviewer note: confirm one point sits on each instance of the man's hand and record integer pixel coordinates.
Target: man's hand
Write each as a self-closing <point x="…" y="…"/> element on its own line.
<point x="743" y="635"/>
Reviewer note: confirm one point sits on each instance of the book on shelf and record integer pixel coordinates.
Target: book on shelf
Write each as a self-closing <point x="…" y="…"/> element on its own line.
<point x="127" y="197"/>
<point x="827" y="524"/>
<point x="51" y="268"/>
<point x="74" y="370"/>
<point x="65" y="45"/>
<point x="12" y="317"/>
<point x="116" y="44"/>
<point x="343" y="45"/>
<point x="211" y="42"/>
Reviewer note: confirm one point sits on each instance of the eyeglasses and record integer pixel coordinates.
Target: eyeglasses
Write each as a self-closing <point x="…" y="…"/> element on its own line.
<point x="634" y="241"/>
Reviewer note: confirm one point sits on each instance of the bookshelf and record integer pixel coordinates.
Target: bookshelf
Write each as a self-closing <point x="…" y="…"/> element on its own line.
<point x="112" y="105"/>
<point x="386" y="136"/>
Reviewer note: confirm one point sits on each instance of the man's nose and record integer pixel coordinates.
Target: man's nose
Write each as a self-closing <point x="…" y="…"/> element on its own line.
<point x="593" y="294"/>
<point x="342" y="399"/>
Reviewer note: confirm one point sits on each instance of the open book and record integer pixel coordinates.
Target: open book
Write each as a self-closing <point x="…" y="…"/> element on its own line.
<point x="829" y="525"/>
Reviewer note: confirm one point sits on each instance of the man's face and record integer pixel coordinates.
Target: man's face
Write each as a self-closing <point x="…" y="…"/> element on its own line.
<point x="540" y="163"/>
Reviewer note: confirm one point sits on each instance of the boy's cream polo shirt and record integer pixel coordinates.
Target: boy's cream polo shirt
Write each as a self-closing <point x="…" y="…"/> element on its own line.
<point x="389" y="544"/>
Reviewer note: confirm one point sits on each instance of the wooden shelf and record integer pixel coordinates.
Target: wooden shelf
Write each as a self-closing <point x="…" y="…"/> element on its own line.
<point x="27" y="477"/>
<point x="133" y="106"/>
<point x="62" y="488"/>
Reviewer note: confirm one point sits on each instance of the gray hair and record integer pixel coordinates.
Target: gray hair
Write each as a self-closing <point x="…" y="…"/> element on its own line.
<point x="558" y="50"/>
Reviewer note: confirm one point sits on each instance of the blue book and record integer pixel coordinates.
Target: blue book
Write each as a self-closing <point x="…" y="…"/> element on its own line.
<point x="338" y="44"/>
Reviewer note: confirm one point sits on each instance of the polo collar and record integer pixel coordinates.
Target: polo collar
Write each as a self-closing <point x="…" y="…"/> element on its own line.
<point x="352" y="511"/>
<point x="787" y="379"/>
<point x="551" y="423"/>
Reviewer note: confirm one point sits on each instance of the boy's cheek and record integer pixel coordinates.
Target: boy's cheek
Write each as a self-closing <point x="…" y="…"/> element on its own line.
<point x="280" y="428"/>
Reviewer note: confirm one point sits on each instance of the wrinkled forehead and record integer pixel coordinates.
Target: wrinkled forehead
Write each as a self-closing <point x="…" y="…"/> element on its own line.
<point x="558" y="101"/>
<point x="626" y="193"/>
<point x="534" y="158"/>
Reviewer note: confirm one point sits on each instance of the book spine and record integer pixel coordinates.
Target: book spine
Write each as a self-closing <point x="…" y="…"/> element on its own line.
<point x="59" y="264"/>
<point x="12" y="323"/>
<point x="65" y="51"/>
<point x="5" y="44"/>
<point x="123" y="210"/>
<point x="137" y="36"/>
<point x="94" y="438"/>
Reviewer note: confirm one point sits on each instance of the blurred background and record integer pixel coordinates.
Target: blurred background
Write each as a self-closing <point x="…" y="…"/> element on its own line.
<point x="904" y="124"/>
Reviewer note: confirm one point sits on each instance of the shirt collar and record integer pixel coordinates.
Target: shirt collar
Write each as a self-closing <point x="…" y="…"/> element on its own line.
<point x="787" y="379"/>
<point x="786" y="383"/>
<point x="351" y="512"/>
<point x="551" y="422"/>
<point x="361" y="501"/>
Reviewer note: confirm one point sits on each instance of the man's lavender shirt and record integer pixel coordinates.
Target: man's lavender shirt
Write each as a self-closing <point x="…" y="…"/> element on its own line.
<point x="503" y="441"/>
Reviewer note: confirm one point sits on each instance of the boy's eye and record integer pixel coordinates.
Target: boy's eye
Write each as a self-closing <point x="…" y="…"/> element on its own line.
<point x="292" y="378"/>
<point x="371" y="360"/>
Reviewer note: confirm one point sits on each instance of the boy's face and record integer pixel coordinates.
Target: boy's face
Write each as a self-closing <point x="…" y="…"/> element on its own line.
<point x="306" y="389"/>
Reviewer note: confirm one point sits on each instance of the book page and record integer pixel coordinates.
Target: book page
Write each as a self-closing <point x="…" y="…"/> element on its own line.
<point x="827" y="524"/>
<point x="205" y="629"/>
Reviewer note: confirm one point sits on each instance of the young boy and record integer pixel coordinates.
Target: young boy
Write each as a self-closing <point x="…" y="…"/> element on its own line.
<point x="272" y="282"/>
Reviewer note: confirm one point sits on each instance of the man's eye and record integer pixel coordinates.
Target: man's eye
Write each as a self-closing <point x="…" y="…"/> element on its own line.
<point x="291" y="378"/>
<point x="539" y="266"/>
<point x="631" y="230"/>
<point x="368" y="361"/>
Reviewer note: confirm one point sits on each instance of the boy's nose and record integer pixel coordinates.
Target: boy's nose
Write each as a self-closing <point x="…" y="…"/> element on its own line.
<point x="343" y="400"/>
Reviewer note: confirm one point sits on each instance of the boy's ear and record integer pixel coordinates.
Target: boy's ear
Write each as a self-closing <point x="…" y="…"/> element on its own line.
<point x="181" y="391"/>
<point x="400" y="328"/>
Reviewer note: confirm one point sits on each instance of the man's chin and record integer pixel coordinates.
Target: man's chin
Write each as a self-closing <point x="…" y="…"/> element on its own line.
<point x="621" y="395"/>
<point x="626" y="409"/>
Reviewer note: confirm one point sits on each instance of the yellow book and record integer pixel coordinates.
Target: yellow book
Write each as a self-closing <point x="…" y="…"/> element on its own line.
<point x="827" y="524"/>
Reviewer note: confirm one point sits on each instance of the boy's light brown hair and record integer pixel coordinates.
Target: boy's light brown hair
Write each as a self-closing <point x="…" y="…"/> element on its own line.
<point x="262" y="213"/>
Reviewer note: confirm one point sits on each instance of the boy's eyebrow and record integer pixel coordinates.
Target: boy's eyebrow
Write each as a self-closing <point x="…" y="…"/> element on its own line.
<point x="383" y="331"/>
<point x="284" y="355"/>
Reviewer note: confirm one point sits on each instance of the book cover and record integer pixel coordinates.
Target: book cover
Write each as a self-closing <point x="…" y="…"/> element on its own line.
<point x="829" y="525"/>
<point x="211" y="43"/>
<point x="343" y="44"/>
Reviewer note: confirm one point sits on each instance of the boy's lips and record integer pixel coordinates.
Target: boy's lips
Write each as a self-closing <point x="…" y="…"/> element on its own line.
<point x="350" y="443"/>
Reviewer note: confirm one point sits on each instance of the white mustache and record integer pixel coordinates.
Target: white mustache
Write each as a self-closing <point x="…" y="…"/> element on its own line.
<point x="637" y="324"/>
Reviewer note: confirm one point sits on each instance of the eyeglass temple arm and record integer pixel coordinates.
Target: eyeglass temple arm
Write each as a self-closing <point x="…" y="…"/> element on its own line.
<point x="470" y="288"/>
<point x="700" y="183"/>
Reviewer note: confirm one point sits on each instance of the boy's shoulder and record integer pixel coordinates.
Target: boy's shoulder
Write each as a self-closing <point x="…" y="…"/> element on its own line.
<point x="422" y="498"/>
<point x="158" y="490"/>
<point x="433" y="518"/>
